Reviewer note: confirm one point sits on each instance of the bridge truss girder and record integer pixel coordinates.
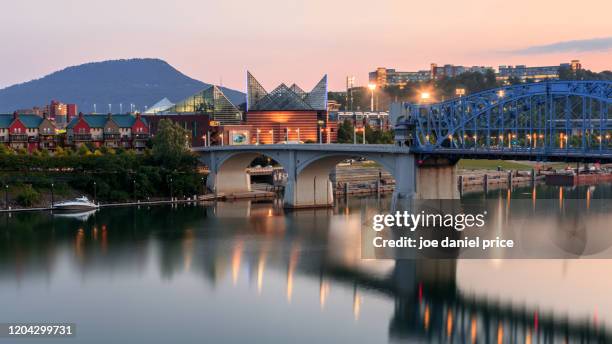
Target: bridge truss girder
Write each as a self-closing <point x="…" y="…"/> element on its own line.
<point x="545" y="116"/>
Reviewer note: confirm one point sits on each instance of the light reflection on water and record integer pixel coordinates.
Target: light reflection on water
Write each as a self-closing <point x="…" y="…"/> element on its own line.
<point x="246" y="271"/>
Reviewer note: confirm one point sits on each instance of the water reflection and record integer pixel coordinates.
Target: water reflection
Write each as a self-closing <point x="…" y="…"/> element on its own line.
<point x="263" y="265"/>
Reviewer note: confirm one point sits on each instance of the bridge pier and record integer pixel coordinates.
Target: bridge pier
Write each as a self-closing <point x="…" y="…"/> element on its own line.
<point x="436" y="178"/>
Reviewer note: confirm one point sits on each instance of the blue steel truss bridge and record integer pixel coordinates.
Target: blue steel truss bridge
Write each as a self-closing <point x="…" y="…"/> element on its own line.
<point x="546" y="121"/>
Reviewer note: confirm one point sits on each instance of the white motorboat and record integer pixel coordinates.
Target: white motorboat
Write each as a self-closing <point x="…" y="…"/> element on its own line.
<point x="80" y="203"/>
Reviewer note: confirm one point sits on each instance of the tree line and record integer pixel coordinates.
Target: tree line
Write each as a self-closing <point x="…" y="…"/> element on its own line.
<point x="111" y="175"/>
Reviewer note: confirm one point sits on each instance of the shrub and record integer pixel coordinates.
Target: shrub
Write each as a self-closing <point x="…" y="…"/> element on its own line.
<point x="27" y="196"/>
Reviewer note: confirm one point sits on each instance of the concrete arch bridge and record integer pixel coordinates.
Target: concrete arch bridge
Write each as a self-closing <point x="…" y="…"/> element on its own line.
<point x="308" y="167"/>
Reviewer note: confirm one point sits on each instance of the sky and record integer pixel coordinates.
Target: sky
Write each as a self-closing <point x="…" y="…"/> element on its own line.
<point x="299" y="41"/>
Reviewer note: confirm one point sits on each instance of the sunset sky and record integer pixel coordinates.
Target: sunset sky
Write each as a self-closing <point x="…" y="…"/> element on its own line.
<point x="289" y="40"/>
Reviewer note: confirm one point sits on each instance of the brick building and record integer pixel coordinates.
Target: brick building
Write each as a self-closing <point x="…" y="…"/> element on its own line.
<point x="31" y="132"/>
<point x="113" y="131"/>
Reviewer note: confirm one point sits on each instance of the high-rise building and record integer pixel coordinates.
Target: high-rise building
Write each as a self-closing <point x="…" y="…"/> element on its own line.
<point x="71" y="111"/>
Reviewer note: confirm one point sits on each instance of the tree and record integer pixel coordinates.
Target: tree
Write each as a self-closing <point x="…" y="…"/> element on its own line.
<point x="170" y="144"/>
<point x="345" y="132"/>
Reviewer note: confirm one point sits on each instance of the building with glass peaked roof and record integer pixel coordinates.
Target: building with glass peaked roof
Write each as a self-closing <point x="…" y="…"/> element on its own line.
<point x="288" y="113"/>
<point x="210" y="101"/>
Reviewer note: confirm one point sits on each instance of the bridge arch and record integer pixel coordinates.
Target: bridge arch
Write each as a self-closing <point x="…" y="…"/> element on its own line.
<point x="227" y="170"/>
<point x="313" y="186"/>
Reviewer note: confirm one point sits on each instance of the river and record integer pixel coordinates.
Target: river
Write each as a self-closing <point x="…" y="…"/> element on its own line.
<point x="247" y="271"/>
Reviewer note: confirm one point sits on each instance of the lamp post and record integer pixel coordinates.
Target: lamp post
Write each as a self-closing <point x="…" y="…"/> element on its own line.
<point x="95" y="196"/>
<point x="203" y="187"/>
<point x="372" y="87"/>
<point x="6" y="196"/>
<point x="134" y="188"/>
<point x="171" y="189"/>
<point x="52" y="198"/>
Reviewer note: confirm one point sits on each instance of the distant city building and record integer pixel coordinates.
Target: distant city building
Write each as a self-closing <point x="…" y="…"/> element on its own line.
<point x="112" y="131"/>
<point x="288" y="113"/>
<point x="28" y="131"/>
<point x="383" y="77"/>
<point x="524" y="73"/>
<point x="450" y="71"/>
<point x="210" y="101"/>
<point x="72" y="112"/>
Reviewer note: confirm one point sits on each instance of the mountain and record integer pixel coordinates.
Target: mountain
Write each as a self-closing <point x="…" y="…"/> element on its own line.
<point x="142" y="82"/>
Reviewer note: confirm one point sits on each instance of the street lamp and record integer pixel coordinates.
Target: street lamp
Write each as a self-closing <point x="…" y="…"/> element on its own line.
<point x="170" y="189"/>
<point x="134" y="188"/>
<point x="52" y="198"/>
<point x="372" y="87"/>
<point x="95" y="191"/>
<point x="460" y="92"/>
<point x="425" y="96"/>
<point x="6" y="196"/>
<point x="362" y="130"/>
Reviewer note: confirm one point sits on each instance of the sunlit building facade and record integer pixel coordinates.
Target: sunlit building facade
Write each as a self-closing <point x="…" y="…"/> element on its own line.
<point x="288" y="114"/>
<point x="538" y="73"/>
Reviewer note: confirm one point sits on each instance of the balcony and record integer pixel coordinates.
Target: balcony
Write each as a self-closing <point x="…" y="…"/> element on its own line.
<point x="112" y="136"/>
<point x="81" y="137"/>
<point x="18" y="138"/>
<point x="141" y="136"/>
<point x="140" y="144"/>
